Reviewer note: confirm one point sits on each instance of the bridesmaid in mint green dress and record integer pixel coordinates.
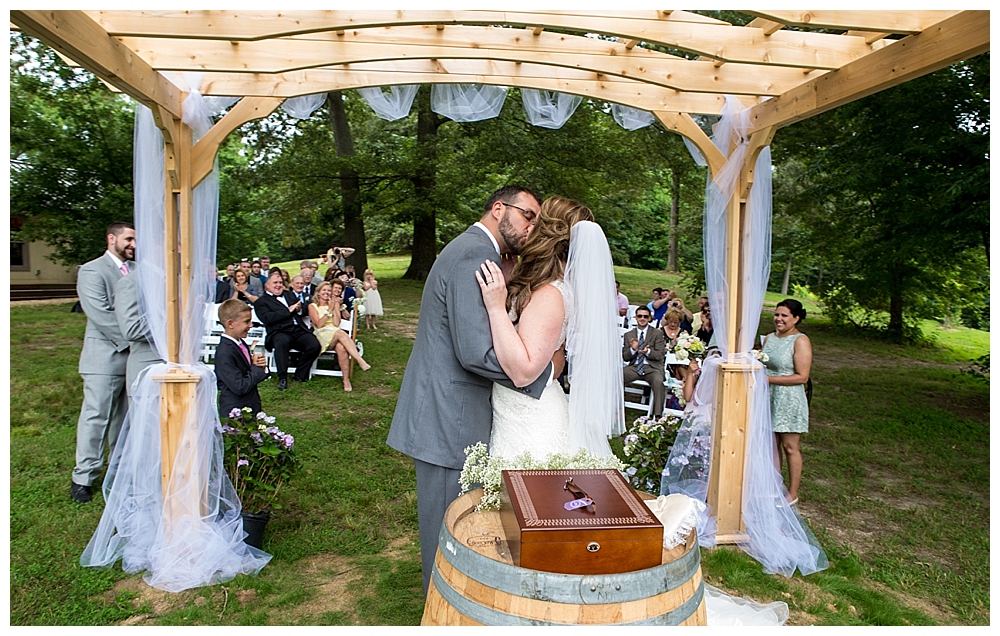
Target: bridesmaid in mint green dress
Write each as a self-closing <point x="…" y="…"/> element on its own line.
<point x="789" y="354"/>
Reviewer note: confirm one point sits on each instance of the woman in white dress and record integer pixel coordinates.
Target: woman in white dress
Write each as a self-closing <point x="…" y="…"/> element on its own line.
<point x="556" y="307"/>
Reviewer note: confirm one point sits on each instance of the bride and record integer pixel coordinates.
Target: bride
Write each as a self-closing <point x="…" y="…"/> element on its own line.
<point x="559" y="305"/>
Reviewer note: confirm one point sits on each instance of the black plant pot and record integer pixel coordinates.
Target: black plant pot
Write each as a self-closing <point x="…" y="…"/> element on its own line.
<point x="253" y="525"/>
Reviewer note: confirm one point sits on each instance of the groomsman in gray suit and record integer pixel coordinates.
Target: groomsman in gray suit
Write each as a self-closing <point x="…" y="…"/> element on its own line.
<point x="103" y="359"/>
<point x="141" y="352"/>
<point x="444" y="400"/>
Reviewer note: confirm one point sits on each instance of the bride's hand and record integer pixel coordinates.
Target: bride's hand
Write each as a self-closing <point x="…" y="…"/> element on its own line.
<point x="493" y="286"/>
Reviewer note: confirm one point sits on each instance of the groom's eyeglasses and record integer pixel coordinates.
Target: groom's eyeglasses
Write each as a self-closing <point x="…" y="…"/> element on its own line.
<point x="528" y="215"/>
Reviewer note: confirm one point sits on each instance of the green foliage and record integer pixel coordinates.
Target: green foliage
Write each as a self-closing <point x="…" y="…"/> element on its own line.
<point x="979" y="368"/>
<point x="891" y="195"/>
<point x="70" y="153"/>
<point x="259" y="459"/>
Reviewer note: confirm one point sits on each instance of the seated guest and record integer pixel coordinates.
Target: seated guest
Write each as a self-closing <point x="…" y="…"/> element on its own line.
<point x="643" y="351"/>
<point x="622" y="301"/>
<point x="706" y="331"/>
<point x="277" y="310"/>
<point x="223" y="289"/>
<point x="672" y="326"/>
<point x="238" y="371"/>
<point x="255" y="271"/>
<point x="309" y="283"/>
<point x="696" y="319"/>
<point x="349" y="292"/>
<point x="286" y="278"/>
<point x="658" y="306"/>
<point x="254" y="285"/>
<point x="303" y="295"/>
<point x="230" y="268"/>
<point x="240" y="289"/>
<point x="326" y="312"/>
<point x="265" y="266"/>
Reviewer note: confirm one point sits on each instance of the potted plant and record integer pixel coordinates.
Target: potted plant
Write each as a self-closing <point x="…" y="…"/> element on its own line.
<point x="259" y="459"/>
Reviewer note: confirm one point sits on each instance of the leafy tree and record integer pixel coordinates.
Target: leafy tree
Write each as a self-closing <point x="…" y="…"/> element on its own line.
<point x="898" y="184"/>
<point x="70" y="153"/>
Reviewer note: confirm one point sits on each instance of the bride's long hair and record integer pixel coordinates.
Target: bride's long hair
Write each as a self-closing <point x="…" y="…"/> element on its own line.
<point x="544" y="254"/>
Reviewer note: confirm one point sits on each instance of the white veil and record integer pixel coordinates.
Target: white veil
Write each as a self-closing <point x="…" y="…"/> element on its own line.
<point x="204" y="544"/>
<point x="593" y="343"/>
<point x="776" y="535"/>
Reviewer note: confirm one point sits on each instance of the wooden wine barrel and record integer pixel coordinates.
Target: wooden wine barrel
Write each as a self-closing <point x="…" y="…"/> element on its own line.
<point x="474" y="582"/>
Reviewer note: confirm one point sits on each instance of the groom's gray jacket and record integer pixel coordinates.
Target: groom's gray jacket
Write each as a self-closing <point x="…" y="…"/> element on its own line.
<point x="444" y="401"/>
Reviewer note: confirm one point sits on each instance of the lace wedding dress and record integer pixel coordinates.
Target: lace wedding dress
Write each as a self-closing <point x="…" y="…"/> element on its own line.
<point x="522" y="424"/>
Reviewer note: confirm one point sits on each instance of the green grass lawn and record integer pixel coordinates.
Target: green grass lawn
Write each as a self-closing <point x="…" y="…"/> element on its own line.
<point x="895" y="486"/>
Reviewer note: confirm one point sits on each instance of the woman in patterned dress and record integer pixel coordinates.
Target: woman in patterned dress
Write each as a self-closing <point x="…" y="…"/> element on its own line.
<point x="789" y="354"/>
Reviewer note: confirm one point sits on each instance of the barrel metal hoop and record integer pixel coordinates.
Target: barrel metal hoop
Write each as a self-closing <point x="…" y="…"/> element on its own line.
<point x="489" y="616"/>
<point x="574" y="589"/>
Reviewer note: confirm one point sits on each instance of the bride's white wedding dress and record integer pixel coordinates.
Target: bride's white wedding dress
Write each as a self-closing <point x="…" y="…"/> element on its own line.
<point x="523" y="424"/>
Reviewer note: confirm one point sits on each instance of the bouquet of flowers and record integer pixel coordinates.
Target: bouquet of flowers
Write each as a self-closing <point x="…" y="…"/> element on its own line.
<point x="481" y="469"/>
<point x="647" y="446"/>
<point x="359" y="306"/>
<point x="688" y="346"/>
<point x="259" y="458"/>
<point x="760" y="356"/>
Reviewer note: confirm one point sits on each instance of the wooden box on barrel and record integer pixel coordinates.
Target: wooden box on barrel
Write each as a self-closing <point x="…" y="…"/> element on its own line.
<point x="621" y="535"/>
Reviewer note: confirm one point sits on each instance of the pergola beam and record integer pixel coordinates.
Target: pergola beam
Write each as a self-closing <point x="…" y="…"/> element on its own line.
<point x="286" y="55"/>
<point x="887" y="21"/>
<point x="75" y="35"/>
<point x="247" y="109"/>
<point x="732" y="43"/>
<point x="960" y="37"/>
<point x="634" y="94"/>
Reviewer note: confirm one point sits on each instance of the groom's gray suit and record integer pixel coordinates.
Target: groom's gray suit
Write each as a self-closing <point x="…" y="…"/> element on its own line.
<point x="141" y="352"/>
<point x="102" y="365"/>
<point x="444" y="401"/>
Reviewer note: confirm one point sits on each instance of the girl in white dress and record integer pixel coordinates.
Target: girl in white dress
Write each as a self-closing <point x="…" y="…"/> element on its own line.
<point x="554" y="308"/>
<point x="373" y="300"/>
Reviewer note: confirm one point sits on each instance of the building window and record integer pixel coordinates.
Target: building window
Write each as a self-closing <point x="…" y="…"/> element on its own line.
<point x="18" y="249"/>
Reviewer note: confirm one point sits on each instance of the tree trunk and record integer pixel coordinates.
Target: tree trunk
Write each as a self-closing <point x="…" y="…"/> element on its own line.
<point x="424" y="216"/>
<point x="350" y="186"/>
<point x="895" y="328"/>
<point x="673" y="264"/>
<point x="788" y="275"/>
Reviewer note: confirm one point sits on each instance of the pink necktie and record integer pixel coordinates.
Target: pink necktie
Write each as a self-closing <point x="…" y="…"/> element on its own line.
<point x="246" y="353"/>
<point x="124" y="269"/>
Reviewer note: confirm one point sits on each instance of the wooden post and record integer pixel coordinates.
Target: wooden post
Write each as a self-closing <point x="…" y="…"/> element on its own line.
<point x="725" y="486"/>
<point x="177" y="423"/>
<point x="732" y="415"/>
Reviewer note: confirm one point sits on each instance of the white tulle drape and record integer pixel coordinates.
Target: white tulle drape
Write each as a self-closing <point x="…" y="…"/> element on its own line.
<point x="304" y="106"/>
<point x="631" y="118"/>
<point x="548" y="109"/>
<point x="392" y="104"/>
<point x="467" y="102"/>
<point x="776" y="535"/>
<point x="204" y="544"/>
<point x="593" y="343"/>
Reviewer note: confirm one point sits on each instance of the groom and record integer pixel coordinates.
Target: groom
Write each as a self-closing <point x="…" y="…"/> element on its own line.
<point x="444" y="401"/>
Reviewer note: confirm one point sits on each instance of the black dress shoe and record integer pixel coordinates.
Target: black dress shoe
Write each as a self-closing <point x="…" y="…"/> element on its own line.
<point x="282" y="384"/>
<point x="295" y="379"/>
<point x="80" y="494"/>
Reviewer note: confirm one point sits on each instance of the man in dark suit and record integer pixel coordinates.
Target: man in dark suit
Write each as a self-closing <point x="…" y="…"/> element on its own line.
<point x="304" y="295"/>
<point x="278" y="311"/>
<point x="644" y="349"/>
<point x="444" y="401"/>
<point x="102" y="360"/>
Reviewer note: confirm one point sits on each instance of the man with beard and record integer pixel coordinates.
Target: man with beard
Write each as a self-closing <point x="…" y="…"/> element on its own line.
<point x="102" y="360"/>
<point x="444" y="400"/>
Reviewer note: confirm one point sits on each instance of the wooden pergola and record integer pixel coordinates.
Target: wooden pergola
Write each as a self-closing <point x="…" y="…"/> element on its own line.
<point x="784" y="65"/>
